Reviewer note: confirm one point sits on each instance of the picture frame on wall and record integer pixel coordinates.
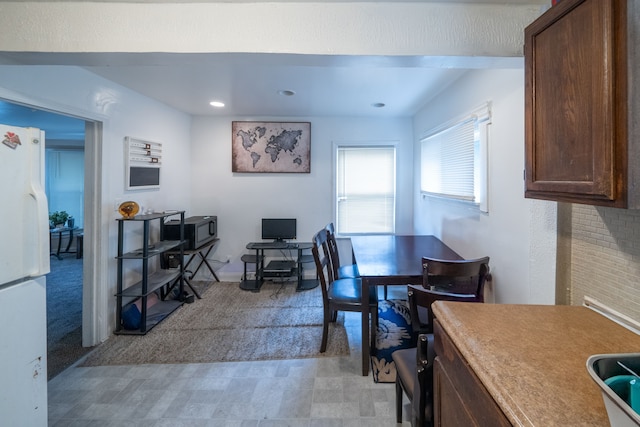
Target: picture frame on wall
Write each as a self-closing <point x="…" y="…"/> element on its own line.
<point x="142" y="164"/>
<point x="271" y="147"/>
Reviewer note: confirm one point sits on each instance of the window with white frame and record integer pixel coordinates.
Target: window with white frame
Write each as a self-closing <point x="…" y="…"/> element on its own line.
<point x="365" y="189"/>
<point x="454" y="159"/>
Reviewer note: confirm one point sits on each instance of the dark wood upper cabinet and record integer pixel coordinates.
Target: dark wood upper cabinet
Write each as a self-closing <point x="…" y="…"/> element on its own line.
<point x="576" y="103"/>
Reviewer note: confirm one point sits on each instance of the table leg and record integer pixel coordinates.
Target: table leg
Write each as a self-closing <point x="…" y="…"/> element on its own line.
<point x="192" y="288"/>
<point x="260" y="266"/>
<point x="59" y="245"/>
<point x="203" y="260"/>
<point x="365" y="327"/>
<point x="188" y="262"/>
<point x="70" y="240"/>
<point x="187" y="281"/>
<point x="57" y="253"/>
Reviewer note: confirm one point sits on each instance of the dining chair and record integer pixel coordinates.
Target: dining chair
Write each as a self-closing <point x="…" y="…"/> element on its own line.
<point x="341" y="271"/>
<point x="442" y="280"/>
<point x="338" y="294"/>
<point x="414" y="377"/>
<point x="449" y="280"/>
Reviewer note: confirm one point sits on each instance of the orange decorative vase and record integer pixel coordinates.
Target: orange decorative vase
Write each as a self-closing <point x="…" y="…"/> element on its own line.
<point x="128" y="209"/>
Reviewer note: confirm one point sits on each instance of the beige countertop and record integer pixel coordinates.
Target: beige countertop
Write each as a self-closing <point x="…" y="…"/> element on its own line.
<point x="532" y="358"/>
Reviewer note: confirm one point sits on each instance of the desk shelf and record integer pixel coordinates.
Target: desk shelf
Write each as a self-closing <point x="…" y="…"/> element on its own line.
<point x="306" y="259"/>
<point x="296" y="272"/>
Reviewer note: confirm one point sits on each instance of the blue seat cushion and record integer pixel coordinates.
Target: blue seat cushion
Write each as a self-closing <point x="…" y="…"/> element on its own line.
<point x="350" y="291"/>
<point x="348" y="271"/>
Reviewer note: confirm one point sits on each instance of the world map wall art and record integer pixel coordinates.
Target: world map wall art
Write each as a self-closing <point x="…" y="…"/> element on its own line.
<point x="271" y="147"/>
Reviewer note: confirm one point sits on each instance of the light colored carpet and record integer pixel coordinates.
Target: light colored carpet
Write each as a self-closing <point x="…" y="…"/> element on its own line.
<point x="229" y="324"/>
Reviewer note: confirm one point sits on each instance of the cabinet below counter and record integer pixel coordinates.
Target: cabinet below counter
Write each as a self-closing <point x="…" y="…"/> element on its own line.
<point x="522" y="365"/>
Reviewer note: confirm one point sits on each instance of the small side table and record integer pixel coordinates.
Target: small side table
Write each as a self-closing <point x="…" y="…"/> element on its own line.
<point x="202" y="252"/>
<point x="60" y="231"/>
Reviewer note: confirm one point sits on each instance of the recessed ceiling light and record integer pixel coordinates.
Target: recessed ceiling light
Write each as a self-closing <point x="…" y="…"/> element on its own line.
<point x="378" y="104"/>
<point x="286" y="92"/>
<point x="217" y="104"/>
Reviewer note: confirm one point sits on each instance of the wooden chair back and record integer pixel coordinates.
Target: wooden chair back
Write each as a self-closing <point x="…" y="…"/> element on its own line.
<point x="322" y="259"/>
<point x="332" y="247"/>
<point x="446" y="280"/>
<point x="456" y="276"/>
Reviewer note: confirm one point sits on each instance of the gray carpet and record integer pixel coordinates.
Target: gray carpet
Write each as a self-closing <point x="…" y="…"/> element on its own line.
<point x="230" y="324"/>
<point x="64" y="314"/>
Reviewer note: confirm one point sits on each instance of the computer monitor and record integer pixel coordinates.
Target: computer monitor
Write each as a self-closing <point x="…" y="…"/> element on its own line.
<point x="278" y="229"/>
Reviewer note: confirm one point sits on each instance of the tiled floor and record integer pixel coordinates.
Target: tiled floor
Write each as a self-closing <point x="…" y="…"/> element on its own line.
<point x="298" y="393"/>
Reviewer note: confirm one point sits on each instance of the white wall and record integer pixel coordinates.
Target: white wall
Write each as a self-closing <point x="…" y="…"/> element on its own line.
<point x="240" y="200"/>
<point x="78" y="92"/>
<point x="327" y="28"/>
<point x="518" y="234"/>
<point x="436" y="32"/>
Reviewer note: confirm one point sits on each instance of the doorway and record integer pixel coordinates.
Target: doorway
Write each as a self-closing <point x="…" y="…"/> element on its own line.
<point x="64" y="186"/>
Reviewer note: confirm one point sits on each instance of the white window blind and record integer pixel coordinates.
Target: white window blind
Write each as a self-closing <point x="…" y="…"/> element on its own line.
<point x="454" y="160"/>
<point x="366" y="189"/>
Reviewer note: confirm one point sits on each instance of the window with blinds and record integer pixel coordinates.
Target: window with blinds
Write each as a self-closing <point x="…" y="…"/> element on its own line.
<point x="365" y="189"/>
<point x="454" y="160"/>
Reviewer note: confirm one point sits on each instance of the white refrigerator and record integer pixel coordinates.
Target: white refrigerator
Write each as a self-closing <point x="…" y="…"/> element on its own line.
<point x="24" y="260"/>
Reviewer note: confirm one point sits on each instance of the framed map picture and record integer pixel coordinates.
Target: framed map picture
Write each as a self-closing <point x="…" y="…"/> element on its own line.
<point x="271" y="147"/>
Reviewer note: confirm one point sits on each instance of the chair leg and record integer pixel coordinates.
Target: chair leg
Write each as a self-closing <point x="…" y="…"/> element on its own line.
<point x="325" y="330"/>
<point x="398" y="401"/>
<point x="385" y="292"/>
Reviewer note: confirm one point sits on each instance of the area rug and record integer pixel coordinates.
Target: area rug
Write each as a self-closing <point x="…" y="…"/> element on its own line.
<point x="229" y="324"/>
<point x="394" y="333"/>
<point x="64" y="314"/>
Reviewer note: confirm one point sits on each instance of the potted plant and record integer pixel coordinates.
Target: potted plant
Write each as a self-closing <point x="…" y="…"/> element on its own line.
<point x="58" y="218"/>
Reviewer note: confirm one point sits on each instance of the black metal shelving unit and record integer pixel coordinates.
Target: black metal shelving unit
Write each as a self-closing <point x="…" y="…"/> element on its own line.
<point x="160" y="280"/>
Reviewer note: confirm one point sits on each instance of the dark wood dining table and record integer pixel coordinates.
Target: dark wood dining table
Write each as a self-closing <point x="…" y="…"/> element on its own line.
<point x="391" y="260"/>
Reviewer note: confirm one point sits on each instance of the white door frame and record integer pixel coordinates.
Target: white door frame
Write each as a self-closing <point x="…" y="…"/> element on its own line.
<point x="95" y="298"/>
<point x="94" y="267"/>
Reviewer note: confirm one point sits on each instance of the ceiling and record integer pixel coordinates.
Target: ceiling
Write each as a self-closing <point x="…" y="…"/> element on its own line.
<point x="250" y="85"/>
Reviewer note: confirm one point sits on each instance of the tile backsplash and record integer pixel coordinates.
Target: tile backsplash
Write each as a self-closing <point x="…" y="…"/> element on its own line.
<point x="599" y="257"/>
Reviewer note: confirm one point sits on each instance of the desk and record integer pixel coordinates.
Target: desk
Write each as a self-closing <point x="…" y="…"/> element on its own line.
<point x="202" y="252"/>
<point x="296" y="266"/>
<point x="391" y="260"/>
<point x="61" y="231"/>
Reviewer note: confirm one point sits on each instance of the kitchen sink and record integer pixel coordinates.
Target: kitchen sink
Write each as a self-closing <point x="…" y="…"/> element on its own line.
<point x="616" y="384"/>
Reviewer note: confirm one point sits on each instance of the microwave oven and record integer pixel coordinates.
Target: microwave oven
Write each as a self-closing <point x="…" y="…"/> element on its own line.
<point x="198" y="230"/>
